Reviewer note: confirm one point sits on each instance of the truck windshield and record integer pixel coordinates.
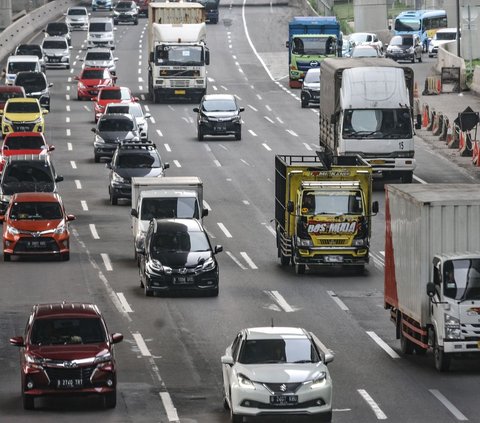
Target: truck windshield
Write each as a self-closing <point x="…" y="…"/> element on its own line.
<point x="180" y="55"/>
<point x="331" y="202"/>
<point x="461" y="279"/>
<point x="377" y="123"/>
<point x="313" y="46"/>
<point x="161" y="208"/>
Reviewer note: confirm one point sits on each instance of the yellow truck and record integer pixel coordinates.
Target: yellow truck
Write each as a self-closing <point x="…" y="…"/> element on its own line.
<point x="323" y="210"/>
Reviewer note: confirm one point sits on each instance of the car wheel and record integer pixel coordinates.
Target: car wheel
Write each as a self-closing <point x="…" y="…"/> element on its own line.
<point x="97" y="159"/>
<point x="147" y="290"/>
<point x="136" y="22"/>
<point x="113" y="200"/>
<point x="111" y="399"/>
<point x="28" y="402"/>
<point x="200" y="135"/>
<point x="7" y="257"/>
<point x="359" y="269"/>
<point x="413" y="58"/>
<point x="299" y="269"/>
<point x="65" y="256"/>
<point x="304" y="104"/>
<point x="238" y="135"/>
<point x="214" y="292"/>
<point x="407" y="177"/>
<point x="235" y="418"/>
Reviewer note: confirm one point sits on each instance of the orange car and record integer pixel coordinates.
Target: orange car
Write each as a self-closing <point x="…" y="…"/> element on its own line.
<point x="35" y="223"/>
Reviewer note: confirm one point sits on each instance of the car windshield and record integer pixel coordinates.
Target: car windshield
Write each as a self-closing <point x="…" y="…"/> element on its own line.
<point x="171" y="55"/>
<point x="100" y="27"/>
<point x="23" y="177"/>
<point x="55" y="45"/>
<point x="227" y="105"/>
<point x="4" y="96"/>
<point x="124" y="5"/>
<point x="285" y="350"/>
<point x="161" y="208"/>
<point x="361" y="37"/>
<point x="401" y="41"/>
<point x="68" y="331"/>
<point x="36" y="211"/>
<point x="462" y="279"/>
<point x="15" y="67"/>
<point x="23" y="143"/>
<point x="137" y="161"/>
<point x="95" y="74"/>
<point x="331" y="202"/>
<point x="31" y="81"/>
<point x="117" y="94"/>
<point x="178" y="241"/>
<point x="407" y="24"/>
<point x="97" y="56"/>
<point x="116" y="125"/>
<point x="22" y="107"/>
<point x="57" y="28"/>
<point x="445" y="36"/>
<point x="77" y="12"/>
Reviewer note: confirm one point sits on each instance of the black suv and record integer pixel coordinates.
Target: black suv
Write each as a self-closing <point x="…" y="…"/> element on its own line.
<point x="32" y="50"/>
<point x="405" y="47"/>
<point x="27" y="173"/>
<point x="58" y="29"/>
<point x="132" y="159"/>
<point x="177" y="255"/>
<point x="35" y="85"/>
<point x="125" y="11"/>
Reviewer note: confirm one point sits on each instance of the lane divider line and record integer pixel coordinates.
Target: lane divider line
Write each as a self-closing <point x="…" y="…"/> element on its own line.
<point x="248" y="260"/>
<point x="280" y="301"/>
<point x="449" y="406"/>
<point x="373" y="405"/>
<point x="84" y="205"/>
<point x="338" y="301"/>
<point x="224" y="229"/>
<point x="93" y="230"/>
<point x="382" y="344"/>
<point x="170" y="409"/>
<point x="235" y="260"/>
<point x="78" y="184"/>
<point x="106" y="261"/>
<point x="142" y="346"/>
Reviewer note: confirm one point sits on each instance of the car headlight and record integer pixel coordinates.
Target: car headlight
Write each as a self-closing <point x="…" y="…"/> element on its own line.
<point x="60" y="229"/>
<point x="117" y="178"/>
<point x="32" y="360"/>
<point x="6" y="120"/>
<point x="410" y="50"/>
<point x="237" y="119"/>
<point x="81" y="85"/>
<point x="319" y="381"/>
<point x="203" y="119"/>
<point x="245" y="382"/>
<point x="99" y="140"/>
<point x="359" y="242"/>
<point x="12" y="230"/>
<point x="103" y="358"/>
<point x="38" y="120"/>
<point x="156" y="266"/>
<point x="304" y="242"/>
<point x="452" y="327"/>
<point x="208" y="265"/>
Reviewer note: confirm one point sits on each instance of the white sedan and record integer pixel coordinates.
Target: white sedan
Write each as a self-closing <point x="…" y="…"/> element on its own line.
<point x="275" y="371"/>
<point x="366" y="38"/>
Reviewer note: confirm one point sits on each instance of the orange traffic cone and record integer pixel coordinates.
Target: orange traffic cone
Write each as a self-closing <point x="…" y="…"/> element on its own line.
<point x="476" y="153"/>
<point x="415" y="91"/>
<point x="439" y="86"/>
<point x="425" y="116"/>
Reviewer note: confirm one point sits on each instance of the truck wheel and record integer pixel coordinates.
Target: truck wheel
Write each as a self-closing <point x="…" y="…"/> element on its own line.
<point x="406" y="346"/>
<point x="299" y="269"/>
<point x="442" y="360"/>
<point x="285" y="260"/>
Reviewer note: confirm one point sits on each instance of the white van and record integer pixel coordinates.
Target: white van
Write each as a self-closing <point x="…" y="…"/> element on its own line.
<point x="100" y="33"/>
<point x="442" y="36"/>
<point x="17" y="64"/>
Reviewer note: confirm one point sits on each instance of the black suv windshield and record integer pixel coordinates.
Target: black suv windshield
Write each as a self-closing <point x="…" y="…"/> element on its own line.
<point x="137" y="161"/>
<point x="68" y="331"/>
<point x="219" y="106"/>
<point x="121" y="125"/>
<point x="31" y="81"/>
<point x="29" y="49"/>
<point x="26" y="177"/>
<point x="55" y="45"/>
<point x="178" y="241"/>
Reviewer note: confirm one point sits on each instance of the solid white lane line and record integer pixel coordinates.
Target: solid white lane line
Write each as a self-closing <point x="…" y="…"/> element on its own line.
<point x="167" y="147"/>
<point x="78" y="184"/>
<point x="269" y="228"/>
<point x="124" y="302"/>
<point x="253" y="108"/>
<point x="217" y="163"/>
<point x="419" y="179"/>
<point x="170" y="409"/>
<point x="142" y="346"/>
<point x="339" y="302"/>
<point x="224" y="229"/>
<point x="177" y="163"/>
<point x="93" y="230"/>
<point x="159" y="133"/>
<point x="69" y="146"/>
<point x="450" y="407"/>
<point x="291" y="132"/>
<point x="270" y="120"/>
<point x="280" y="301"/>
<point x="84" y="205"/>
<point x="73" y="164"/>
<point x="373" y="405"/>
<point x="382" y="344"/>
<point x="267" y="147"/>
<point x="106" y="261"/>
<point x="252" y="133"/>
<point x="68" y="132"/>
<point x="206" y="206"/>
<point x="236" y="261"/>
<point x="207" y="147"/>
<point x="248" y="260"/>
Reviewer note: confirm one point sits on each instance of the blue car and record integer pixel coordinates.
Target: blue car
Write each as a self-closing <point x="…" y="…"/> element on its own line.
<point x="102" y="4"/>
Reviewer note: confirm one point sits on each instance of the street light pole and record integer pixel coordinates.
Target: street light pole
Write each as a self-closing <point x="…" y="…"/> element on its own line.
<point x="458" y="29"/>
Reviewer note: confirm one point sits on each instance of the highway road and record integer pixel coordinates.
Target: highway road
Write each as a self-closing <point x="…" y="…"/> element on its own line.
<point x="169" y="362"/>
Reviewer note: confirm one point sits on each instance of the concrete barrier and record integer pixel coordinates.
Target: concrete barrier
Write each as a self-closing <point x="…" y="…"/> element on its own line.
<point x="15" y="33"/>
<point x="447" y="58"/>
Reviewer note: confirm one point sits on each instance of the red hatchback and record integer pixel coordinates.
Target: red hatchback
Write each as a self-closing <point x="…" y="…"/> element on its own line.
<point x="10" y="91"/>
<point x="19" y="143"/>
<point x="91" y="80"/>
<point x="66" y="349"/>
<point x="111" y="95"/>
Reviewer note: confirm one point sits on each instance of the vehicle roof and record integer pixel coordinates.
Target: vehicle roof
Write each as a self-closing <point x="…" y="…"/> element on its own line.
<point x="66" y="309"/>
<point x="268" y="332"/>
<point x="23" y="100"/>
<point x="77" y="7"/>
<point x="55" y="38"/>
<point x="44" y="197"/>
<point x="219" y="97"/>
<point x="185" y="225"/>
<point x="11" y="88"/>
<point x="23" y="58"/>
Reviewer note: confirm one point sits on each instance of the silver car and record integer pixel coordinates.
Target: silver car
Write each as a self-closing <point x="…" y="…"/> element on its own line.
<point x="100" y="58"/>
<point x="311" y="87"/>
<point x="57" y="52"/>
<point x="134" y="109"/>
<point x="77" y="18"/>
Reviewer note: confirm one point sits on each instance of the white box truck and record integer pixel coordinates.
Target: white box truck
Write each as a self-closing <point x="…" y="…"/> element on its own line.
<point x="432" y="268"/>
<point x="169" y="196"/>
<point x="366" y="109"/>
<point x="178" y="54"/>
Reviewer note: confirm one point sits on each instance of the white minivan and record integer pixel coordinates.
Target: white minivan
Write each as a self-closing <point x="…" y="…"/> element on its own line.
<point x="100" y="33"/>
<point x="17" y="64"/>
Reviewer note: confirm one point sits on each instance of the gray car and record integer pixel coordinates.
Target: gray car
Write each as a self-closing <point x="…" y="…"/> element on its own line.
<point x="134" y="109"/>
<point x="100" y="58"/>
<point x="311" y="87"/>
<point x="57" y="52"/>
<point x="111" y="130"/>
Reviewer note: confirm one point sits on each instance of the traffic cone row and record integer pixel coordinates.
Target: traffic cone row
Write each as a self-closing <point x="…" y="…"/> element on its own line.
<point x="476" y="153"/>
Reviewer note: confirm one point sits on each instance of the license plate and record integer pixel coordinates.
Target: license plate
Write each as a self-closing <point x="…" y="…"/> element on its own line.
<point x="55" y="60"/>
<point x="182" y="280"/>
<point x="334" y="259"/>
<point x="179" y="92"/>
<point x="220" y="127"/>
<point x="36" y="244"/>
<point x="283" y="399"/>
<point x="377" y="161"/>
<point x="69" y="383"/>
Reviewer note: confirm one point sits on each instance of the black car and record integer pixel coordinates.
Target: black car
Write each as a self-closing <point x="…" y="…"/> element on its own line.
<point x="125" y="11"/>
<point x="177" y="256"/>
<point x="219" y="114"/>
<point x="132" y="159"/>
<point x="31" y="50"/>
<point x="111" y="130"/>
<point x="58" y="29"/>
<point x="35" y="85"/>
<point x="405" y="47"/>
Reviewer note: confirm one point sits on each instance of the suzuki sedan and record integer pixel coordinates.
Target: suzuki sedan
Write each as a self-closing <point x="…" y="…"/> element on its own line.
<point x="277" y="371"/>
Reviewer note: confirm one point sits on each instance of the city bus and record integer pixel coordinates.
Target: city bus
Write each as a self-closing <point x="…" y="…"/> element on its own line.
<point x="423" y="23"/>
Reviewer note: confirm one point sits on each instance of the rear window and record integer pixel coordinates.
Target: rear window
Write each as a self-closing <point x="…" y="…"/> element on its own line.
<point x="138" y="161"/>
<point x="121" y="94"/>
<point x="27" y="50"/>
<point x="31" y="80"/>
<point x="97" y="56"/>
<point x="68" y="331"/>
<point x="121" y="125"/>
<point x="4" y="96"/>
<point x="100" y="27"/>
<point x="94" y="74"/>
<point x="77" y="12"/>
<point x="57" y="27"/>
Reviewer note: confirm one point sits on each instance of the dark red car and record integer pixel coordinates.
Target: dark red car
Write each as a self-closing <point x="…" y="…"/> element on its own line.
<point x="142" y="7"/>
<point x="111" y="95"/>
<point x="66" y="349"/>
<point x="91" y="80"/>
<point x="10" y="91"/>
<point x="17" y="143"/>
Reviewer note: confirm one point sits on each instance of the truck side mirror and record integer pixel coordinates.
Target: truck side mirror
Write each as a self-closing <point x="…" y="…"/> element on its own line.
<point x="287" y="44"/>
<point x="207" y="57"/>
<point x="375" y="207"/>
<point x="134" y="213"/>
<point x="204" y="212"/>
<point x="431" y="289"/>
<point x="290" y="207"/>
<point x="151" y="57"/>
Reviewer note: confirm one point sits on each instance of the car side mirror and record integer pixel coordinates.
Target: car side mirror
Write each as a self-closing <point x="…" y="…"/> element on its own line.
<point x="71" y="217"/>
<point x="375" y="207"/>
<point x="147" y="116"/>
<point x="17" y="341"/>
<point x="115" y="59"/>
<point x="51" y="148"/>
<point x="70" y="47"/>
<point x="50" y="84"/>
<point x="242" y="109"/>
<point x="290" y="207"/>
<point x="59" y="178"/>
<point x="196" y="110"/>
<point x="166" y="165"/>
<point x="328" y="358"/>
<point x="45" y="111"/>
<point x="94" y="130"/>
<point x="207" y="57"/>
<point x="431" y="289"/>
<point x="227" y="359"/>
<point x="134" y="213"/>
<point x="116" y="338"/>
<point x="217" y="249"/>
<point x="108" y="165"/>
<point x="204" y="212"/>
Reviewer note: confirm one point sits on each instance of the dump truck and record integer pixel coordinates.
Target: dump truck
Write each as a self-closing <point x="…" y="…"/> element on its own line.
<point x="432" y="269"/>
<point x="366" y="109"/>
<point x="323" y="210"/>
<point x="178" y="54"/>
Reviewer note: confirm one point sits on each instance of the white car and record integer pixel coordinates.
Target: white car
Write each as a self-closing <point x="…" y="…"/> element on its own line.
<point x="134" y="109"/>
<point x="77" y="18"/>
<point x="366" y="38"/>
<point x="277" y="371"/>
<point x="100" y="58"/>
<point x="441" y="37"/>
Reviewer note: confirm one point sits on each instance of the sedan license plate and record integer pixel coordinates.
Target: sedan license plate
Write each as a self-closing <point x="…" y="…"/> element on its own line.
<point x="283" y="400"/>
<point x="334" y="259"/>
<point x="179" y="92"/>
<point x="220" y="127"/>
<point x="69" y="383"/>
<point x="36" y="244"/>
<point x="182" y="280"/>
